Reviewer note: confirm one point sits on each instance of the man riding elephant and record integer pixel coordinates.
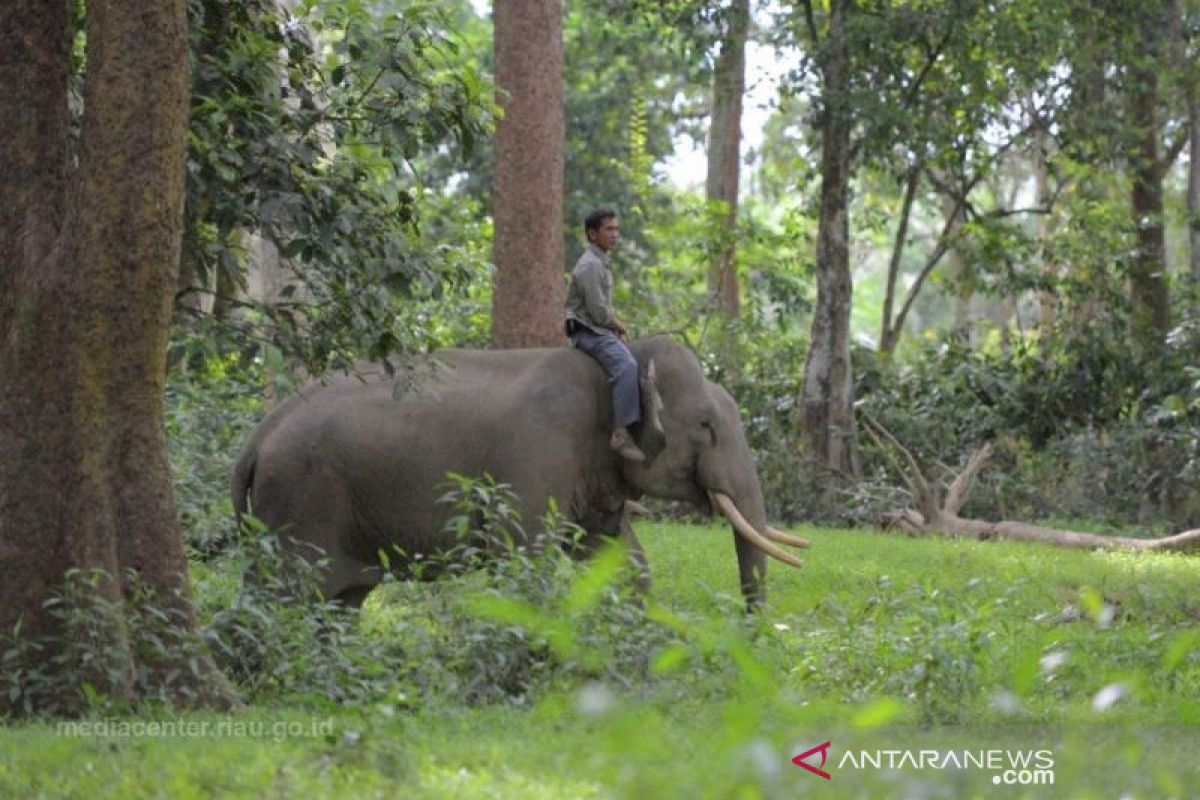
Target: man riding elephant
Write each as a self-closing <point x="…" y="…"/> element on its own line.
<point x="595" y="329"/>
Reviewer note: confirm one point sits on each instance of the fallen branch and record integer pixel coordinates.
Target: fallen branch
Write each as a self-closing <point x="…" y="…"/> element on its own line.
<point x="929" y="518"/>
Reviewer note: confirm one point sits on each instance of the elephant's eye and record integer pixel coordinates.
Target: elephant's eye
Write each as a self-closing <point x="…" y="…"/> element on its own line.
<point x="710" y="429"/>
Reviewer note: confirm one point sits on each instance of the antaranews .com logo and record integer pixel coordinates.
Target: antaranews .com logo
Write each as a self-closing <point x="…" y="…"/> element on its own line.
<point x="1009" y="767"/>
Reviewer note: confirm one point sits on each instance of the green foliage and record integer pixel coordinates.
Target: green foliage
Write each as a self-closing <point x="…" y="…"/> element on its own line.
<point x="1085" y="425"/>
<point x="213" y="402"/>
<point x="304" y="129"/>
<point x="280" y="638"/>
<point x="84" y="662"/>
<point x="505" y="621"/>
<point x="1018" y="643"/>
<point x="917" y="643"/>
<point x="518" y="616"/>
<point x="627" y="71"/>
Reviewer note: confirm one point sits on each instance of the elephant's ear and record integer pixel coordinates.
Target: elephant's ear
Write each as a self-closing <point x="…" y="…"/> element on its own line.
<point x="650" y="435"/>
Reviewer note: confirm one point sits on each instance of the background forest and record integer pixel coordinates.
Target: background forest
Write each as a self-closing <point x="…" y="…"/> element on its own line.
<point x="901" y="234"/>
<point x="1017" y="184"/>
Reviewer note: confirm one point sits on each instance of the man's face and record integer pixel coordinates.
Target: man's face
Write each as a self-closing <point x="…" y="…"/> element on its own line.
<point x="605" y="237"/>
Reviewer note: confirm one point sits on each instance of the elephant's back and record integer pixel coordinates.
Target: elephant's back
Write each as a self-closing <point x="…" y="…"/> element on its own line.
<point x="463" y="410"/>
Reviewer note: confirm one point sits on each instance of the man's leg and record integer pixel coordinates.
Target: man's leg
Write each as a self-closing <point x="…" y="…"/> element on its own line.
<point x="622" y="370"/>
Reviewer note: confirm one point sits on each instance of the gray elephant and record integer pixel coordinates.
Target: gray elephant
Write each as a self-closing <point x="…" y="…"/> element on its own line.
<point x="355" y="466"/>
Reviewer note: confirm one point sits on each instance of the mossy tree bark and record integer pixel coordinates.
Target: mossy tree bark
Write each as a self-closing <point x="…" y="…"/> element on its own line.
<point x="89" y="258"/>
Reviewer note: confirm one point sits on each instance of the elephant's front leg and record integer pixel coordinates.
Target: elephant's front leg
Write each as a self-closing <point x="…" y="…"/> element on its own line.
<point x="618" y="526"/>
<point x="637" y="556"/>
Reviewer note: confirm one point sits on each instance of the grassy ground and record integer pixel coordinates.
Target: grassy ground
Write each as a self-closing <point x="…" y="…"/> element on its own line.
<point x="997" y="651"/>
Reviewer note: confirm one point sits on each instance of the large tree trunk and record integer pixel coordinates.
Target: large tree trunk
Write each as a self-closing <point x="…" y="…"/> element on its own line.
<point x="36" y="41"/>
<point x="724" y="155"/>
<point x="529" y="288"/>
<point x="84" y="478"/>
<point x="826" y="396"/>
<point x="1147" y="273"/>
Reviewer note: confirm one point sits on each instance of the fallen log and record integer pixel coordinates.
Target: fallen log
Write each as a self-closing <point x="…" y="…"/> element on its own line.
<point x="932" y="517"/>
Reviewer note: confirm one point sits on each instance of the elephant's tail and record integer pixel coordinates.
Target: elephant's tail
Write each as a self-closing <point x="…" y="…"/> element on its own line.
<point x="241" y="479"/>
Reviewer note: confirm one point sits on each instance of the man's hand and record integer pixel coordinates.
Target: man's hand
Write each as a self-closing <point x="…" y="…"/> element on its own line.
<point x="619" y="329"/>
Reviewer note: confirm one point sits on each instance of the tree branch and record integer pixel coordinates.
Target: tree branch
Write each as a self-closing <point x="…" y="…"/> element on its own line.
<point x="811" y="20"/>
<point x="961" y="486"/>
<point x="1168" y="160"/>
<point x="889" y="297"/>
<point x="913" y="476"/>
<point x="943" y="246"/>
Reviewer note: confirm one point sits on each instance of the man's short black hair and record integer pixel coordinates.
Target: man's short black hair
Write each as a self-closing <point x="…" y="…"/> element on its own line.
<point x="594" y="220"/>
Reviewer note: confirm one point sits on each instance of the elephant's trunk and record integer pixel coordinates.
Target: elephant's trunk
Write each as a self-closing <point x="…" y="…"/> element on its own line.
<point x="742" y="504"/>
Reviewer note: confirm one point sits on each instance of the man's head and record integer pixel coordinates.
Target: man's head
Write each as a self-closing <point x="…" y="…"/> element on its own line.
<point x="602" y="229"/>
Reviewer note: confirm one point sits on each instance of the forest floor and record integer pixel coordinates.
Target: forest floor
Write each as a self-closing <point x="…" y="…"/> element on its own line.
<point x="933" y="668"/>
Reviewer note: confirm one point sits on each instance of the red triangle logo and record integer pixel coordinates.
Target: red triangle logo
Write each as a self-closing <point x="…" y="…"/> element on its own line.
<point x="823" y="749"/>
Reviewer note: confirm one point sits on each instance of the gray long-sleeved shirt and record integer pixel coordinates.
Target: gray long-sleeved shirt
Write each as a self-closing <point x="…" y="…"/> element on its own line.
<point x="589" y="295"/>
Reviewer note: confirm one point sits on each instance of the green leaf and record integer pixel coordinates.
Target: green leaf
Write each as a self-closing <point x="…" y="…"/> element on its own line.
<point x="880" y="712"/>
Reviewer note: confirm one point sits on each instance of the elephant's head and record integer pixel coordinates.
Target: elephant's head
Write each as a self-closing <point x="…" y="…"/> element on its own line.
<point x="697" y="452"/>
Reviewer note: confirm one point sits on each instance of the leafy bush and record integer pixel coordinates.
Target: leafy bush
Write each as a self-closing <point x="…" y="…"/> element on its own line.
<point x="519" y="616"/>
<point x="213" y="400"/>
<point x="504" y="621"/>
<point x="51" y="674"/>
<point x="281" y="637"/>
<point x="1083" y="426"/>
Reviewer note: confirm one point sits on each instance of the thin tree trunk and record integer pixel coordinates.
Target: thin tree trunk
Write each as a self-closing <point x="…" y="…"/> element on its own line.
<point x="724" y="154"/>
<point x="1193" y="190"/>
<point x="826" y="396"/>
<point x="84" y="478"/>
<point x="1190" y="74"/>
<point x="962" y="282"/>
<point x="1047" y="297"/>
<point x="888" y="334"/>
<point x="228" y="290"/>
<point x="529" y="288"/>
<point x="1147" y="273"/>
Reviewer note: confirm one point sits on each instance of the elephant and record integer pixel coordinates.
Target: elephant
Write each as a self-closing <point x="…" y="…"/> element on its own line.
<point x="355" y="464"/>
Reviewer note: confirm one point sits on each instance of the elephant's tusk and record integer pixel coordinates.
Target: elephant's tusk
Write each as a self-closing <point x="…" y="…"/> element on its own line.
<point x="747" y="532"/>
<point x="783" y="537"/>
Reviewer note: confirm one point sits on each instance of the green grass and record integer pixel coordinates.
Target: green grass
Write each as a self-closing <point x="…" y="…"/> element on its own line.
<point x="880" y="643"/>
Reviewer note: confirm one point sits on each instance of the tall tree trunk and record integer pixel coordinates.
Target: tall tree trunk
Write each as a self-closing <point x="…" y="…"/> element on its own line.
<point x="724" y="155"/>
<point x="962" y="278"/>
<point x="84" y="478"/>
<point x="1147" y="273"/>
<point x="529" y="288"/>
<point x="888" y="334"/>
<point x="826" y="396"/>
<point x="1193" y="187"/>
<point x="1048" y="296"/>
<point x="1190" y="75"/>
